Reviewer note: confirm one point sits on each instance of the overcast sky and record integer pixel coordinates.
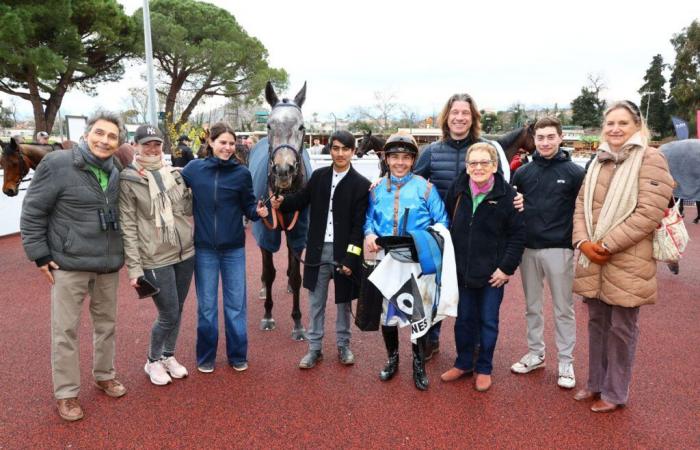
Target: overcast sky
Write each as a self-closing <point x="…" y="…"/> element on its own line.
<point x="501" y="52"/>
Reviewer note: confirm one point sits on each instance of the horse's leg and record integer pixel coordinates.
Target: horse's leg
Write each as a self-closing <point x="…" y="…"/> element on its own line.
<point x="289" y="271"/>
<point x="262" y="295"/>
<point x="268" y="277"/>
<point x="294" y="272"/>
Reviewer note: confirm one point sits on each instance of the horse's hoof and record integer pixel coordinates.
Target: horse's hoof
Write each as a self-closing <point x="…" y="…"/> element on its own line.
<point x="674" y="267"/>
<point x="267" y="324"/>
<point x="299" y="334"/>
<point x="289" y="289"/>
<point x="262" y="295"/>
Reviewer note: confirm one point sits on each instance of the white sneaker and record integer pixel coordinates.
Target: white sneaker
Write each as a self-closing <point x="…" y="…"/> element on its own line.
<point x="174" y="368"/>
<point x="567" y="380"/>
<point x="528" y="363"/>
<point x="156" y="370"/>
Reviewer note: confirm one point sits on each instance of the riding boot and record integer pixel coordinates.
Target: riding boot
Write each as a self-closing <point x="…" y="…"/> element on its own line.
<point x="420" y="378"/>
<point x="391" y="341"/>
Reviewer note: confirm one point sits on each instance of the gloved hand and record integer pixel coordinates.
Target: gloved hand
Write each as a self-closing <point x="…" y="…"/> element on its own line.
<point x="595" y="252"/>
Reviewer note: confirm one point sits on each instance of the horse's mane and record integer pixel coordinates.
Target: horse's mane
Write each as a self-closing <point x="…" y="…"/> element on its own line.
<point x="507" y="139"/>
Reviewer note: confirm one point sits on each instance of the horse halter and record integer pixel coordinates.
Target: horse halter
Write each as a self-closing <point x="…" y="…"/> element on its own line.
<point x="273" y="151"/>
<point x="23" y="167"/>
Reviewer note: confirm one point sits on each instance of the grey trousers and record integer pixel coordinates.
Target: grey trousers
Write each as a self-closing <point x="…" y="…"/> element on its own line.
<point x="557" y="266"/>
<point x="174" y="283"/>
<point x="613" y="332"/>
<point x="67" y="296"/>
<point x="317" y="306"/>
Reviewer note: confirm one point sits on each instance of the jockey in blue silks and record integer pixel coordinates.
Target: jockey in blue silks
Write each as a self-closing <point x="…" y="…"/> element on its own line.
<point x="399" y="204"/>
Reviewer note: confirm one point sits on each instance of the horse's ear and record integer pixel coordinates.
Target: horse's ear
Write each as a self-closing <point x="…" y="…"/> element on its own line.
<point x="369" y="133"/>
<point x="301" y="96"/>
<point x="270" y="95"/>
<point x="12" y="147"/>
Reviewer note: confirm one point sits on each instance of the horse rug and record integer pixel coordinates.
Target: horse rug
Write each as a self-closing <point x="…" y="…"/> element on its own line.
<point x="684" y="162"/>
<point x="267" y="239"/>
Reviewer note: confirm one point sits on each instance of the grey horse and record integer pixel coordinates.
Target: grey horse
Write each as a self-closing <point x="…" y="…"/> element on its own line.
<point x="279" y="164"/>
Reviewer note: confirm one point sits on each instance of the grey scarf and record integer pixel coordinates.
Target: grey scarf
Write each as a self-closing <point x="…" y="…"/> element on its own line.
<point x="105" y="164"/>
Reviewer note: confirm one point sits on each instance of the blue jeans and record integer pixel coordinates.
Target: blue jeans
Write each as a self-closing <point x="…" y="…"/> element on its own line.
<point x="231" y="265"/>
<point x="477" y="314"/>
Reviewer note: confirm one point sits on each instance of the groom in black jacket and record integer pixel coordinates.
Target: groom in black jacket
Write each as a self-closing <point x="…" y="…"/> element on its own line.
<point x="338" y="198"/>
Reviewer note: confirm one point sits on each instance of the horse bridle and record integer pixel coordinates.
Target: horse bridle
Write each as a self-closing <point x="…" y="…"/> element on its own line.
<point x="23" y="166"/>
<point x="278" y="218"/>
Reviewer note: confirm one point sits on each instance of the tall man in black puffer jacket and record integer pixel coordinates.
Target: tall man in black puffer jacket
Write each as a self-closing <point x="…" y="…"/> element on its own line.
<point x="442" y="161"/>
<point x="550" y="184"/>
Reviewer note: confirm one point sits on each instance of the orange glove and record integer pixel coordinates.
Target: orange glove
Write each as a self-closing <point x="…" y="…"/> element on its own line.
<point x="595" y="252"/>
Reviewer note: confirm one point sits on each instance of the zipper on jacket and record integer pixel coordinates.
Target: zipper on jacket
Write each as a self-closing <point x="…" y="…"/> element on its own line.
<point x="216" y="197"/>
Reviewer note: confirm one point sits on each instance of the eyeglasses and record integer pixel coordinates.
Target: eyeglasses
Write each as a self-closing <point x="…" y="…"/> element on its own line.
<point x="475" y="164"/>
<point x="338" y="148"/>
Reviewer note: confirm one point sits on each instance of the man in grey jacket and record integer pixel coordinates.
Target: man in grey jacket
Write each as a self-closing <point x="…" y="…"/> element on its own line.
<point x="70" y="229"/>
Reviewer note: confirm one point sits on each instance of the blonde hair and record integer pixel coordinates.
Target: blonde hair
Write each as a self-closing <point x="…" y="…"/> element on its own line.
<point x="484" y="147"/>
<point x="636" y="116"/>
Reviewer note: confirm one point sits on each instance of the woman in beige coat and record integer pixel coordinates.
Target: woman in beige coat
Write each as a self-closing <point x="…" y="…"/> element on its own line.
<point x="621" y="202"/>
<point x="158" y="247"/>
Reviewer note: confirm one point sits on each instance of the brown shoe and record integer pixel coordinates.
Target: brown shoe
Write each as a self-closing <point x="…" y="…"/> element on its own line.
<point x="601" y="406"/>
<point x="112" y="387"/>
<point x="455" y="374"/>
<point x="69" y="409"/>
<point x="483" y="382"/>
<point x="585" y="394"/>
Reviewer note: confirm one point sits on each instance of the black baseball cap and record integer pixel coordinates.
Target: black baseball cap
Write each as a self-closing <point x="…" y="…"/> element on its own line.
<point x="147" y="133"/>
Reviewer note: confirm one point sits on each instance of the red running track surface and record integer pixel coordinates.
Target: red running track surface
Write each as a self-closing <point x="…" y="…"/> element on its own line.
<point x="275" y="404"/>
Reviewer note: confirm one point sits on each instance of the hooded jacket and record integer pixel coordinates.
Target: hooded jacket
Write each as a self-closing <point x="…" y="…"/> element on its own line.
<point x="550" y="187"/>
<point x="222" y="192"/>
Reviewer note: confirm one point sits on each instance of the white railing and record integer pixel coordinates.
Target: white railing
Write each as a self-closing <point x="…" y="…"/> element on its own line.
<point x="11" y="207"/>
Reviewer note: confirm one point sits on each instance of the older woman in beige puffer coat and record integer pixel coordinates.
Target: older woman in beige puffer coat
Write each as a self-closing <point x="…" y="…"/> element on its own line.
<point x="619" y="206"/>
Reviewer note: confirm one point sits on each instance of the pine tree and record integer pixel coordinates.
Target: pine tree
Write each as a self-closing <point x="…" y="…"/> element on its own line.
<point x="685" y="78"/>
<point x="653" y="104"/>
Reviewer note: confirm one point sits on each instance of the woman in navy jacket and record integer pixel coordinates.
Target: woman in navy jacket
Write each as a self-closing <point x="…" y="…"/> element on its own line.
<point x="488" y="234"/>
<point x="222" y="191"/>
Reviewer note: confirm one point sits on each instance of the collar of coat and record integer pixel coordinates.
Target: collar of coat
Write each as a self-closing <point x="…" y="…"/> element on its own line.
<point x="498" y="190"/>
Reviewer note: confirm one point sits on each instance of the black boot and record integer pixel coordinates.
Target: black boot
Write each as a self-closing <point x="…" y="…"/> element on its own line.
<point x="391" y="341"/>
<point x="420" y="378"/>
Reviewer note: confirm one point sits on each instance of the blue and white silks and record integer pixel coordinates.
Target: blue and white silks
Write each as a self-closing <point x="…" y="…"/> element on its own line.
<point x="438" y="292"/>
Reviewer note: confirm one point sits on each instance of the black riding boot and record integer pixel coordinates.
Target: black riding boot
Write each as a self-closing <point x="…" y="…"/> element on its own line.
<point x="391" y="340"/>
<point x="420" y="378"/>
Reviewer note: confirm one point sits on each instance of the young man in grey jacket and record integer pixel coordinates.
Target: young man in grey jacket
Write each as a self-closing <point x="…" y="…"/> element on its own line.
<point x="70" y="229"/>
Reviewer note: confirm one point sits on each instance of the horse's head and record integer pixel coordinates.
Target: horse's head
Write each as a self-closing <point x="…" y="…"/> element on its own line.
<point x="14" y="168"/>
<point x="365" y="144"/>
<point x="285" y="131"/>
<point x="529" y="144"/>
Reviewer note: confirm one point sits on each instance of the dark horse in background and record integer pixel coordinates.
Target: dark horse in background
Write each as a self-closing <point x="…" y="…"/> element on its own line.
<point x="17" y="159"/>
<point x="279" y="165"/>
<point x="511" y="142"/>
